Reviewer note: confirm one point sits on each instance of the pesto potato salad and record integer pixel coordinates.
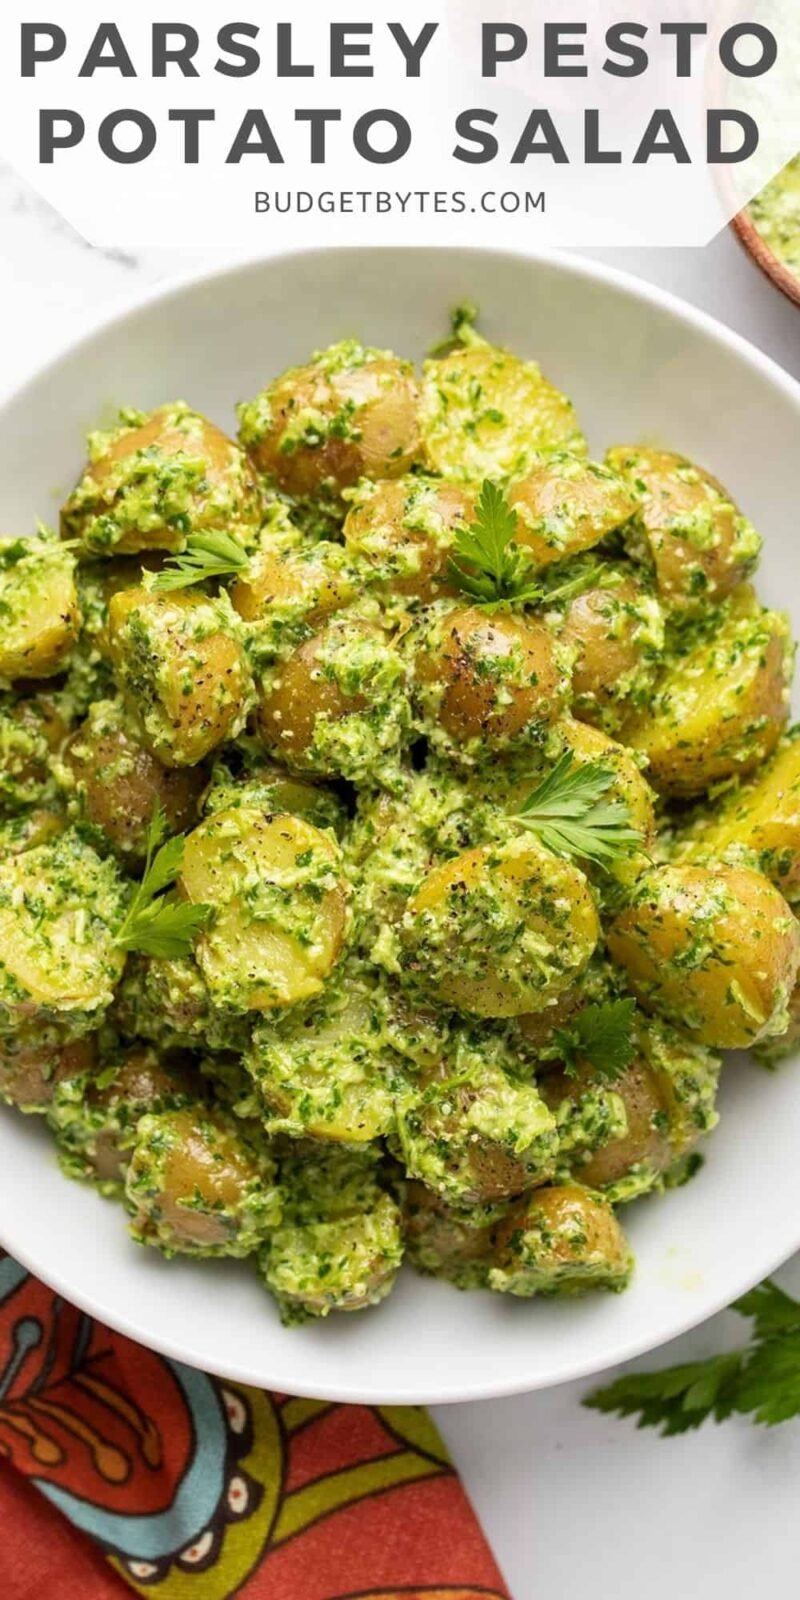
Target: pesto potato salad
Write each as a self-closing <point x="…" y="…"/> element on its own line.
<point x="399" y="818"/>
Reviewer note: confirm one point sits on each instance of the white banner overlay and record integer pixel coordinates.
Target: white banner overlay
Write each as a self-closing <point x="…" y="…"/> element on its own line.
<point x="458" y="121"/>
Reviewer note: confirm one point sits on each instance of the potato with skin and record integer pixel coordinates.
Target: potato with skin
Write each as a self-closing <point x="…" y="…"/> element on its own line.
<point x="566" y="505"/>
<point x="471" y="1133"/>
<point x="560" y="1240"/>
<point x="61" y="907"/>
<point x="95" y="1115"/>
<point x="39" y="612"/>
<point x="498" y="931"/>
<point x="487" y="414"/>
<point x="720" y="706"/>
<point x="339" y="706"/>
<point x="280" y="907"/>
<point x="340" y="1243"/>
<point x="323" y="1069"/>
<point x="350" y="413"/>
<point x="269" y="787"/>
<point x="484" y="682"/>
<point x="444" y="1241"/>
<point x="667" y="1098"/>
<point x="157" y="478"/>
<point x="405" y="531"/>
<point x="168" y="1002"/>
<point x="35" y="1061"/>
<point x="715" y="950"/>
<point x="295" y="584"/>
<point x="697" y="540"/>
<point x="616" y="631"/>
<point x="758" y="822"/>
<point x="181" y="667"/>
<point x="202" y="1183"/>
<point x="32" y="729"/>
<point x="116" y="782"/>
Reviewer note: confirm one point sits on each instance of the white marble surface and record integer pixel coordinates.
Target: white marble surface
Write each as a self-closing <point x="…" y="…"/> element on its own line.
<point x="571" y="1501"/>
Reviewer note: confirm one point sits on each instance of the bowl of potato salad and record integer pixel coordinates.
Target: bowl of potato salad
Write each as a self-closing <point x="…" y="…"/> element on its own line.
<point x="400" y="822"/>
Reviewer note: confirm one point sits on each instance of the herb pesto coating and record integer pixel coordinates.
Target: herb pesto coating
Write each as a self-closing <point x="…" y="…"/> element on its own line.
<point x="397" y="820"/>
<point x="158" y="477"/>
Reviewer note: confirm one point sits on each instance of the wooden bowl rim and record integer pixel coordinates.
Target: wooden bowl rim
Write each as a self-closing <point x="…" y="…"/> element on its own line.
<point x="765" y="258"/>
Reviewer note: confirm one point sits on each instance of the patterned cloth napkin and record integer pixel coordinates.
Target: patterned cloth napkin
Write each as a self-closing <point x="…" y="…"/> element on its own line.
<point x="121" y="1470"/>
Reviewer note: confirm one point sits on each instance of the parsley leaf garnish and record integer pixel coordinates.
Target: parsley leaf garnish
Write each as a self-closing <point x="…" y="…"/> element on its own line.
<point x="762" y="1380"/>
<point x="568" y="812"/>
<point x="158" y="924"/>
<point x="490" y="566"/>
<point x="207" y="555"/>
<point x="602" y="1035"/>
<point x="486" y="563"/>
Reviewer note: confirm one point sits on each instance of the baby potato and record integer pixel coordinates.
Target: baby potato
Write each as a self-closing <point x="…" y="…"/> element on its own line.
<point x="485" y="681"/>
<point x="39" y="612"/>
<point x="201" y="1183"/>
<point x="498" y="931"/>
<point x="758" y="821"/>
<point x="323" y="1070"/>
<point x="339" y="706"/>
<point x="698" y="542"/>
<point x="666" y="1097"/>
<point x="350" y="413"/>
<point x="719" y="708"/>
<point x="157" y="478"/>
<point x="560" y="1240"/>
<point x="31" y="732"/>
<point x="118" y="782"/>
<point x="294" y="586"/>
<point x="714" y="950"/>
<point x="260" y="783"/>
<point x="35" y="1061"/>
<point x="60" y="909"/>
<point x="770" y="1052"/>
<point x="405" y="531"/>
<point x="616" y="631"/>
<point x="444" y="1241"/>
<point x="280" y="907"/>
<point x="566" y="505"/>
<point x="486" y="414"/>
<point x="471" y="1133"/>
<point x="182" y="670"/>
<point x="167" y="1001"/>
<point x="96" y="1115"/>
<point x="340" y="1243"/>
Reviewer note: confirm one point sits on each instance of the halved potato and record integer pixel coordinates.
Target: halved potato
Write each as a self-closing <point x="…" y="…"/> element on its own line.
<point x="715" y="950"/>
<point x="279" y="902"/>
<point x="499" y="931"/>
<point x="700" y="545"/>
<point x="720" y="706"/>
<point x="566" y="505"/>
<point x="39" y="612"/>
<point x="178" y="661"/>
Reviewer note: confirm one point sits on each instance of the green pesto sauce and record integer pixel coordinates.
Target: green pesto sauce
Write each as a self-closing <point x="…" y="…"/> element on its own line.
<point x="776" y="214"/>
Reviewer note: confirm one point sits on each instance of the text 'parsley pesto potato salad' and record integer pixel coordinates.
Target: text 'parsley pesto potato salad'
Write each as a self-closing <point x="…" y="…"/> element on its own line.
<point x="399" y="816"/>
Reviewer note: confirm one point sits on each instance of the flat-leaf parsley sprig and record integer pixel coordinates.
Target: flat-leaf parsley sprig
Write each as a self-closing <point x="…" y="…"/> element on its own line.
<point x="601" y="1034"/>
<point x="569" y="813"/>
<point x="489" y="565"/>
<point x="762" y="1380"/>
<point x="157" y="923"/>
<point x="207" y="555"/>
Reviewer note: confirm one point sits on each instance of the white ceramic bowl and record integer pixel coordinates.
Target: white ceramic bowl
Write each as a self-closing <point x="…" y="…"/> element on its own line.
<point x="640" y="366"/>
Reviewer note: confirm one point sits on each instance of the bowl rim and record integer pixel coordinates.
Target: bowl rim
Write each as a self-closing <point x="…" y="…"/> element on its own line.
<point x="128" y="307"/>
<point x="769" y="263"/>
